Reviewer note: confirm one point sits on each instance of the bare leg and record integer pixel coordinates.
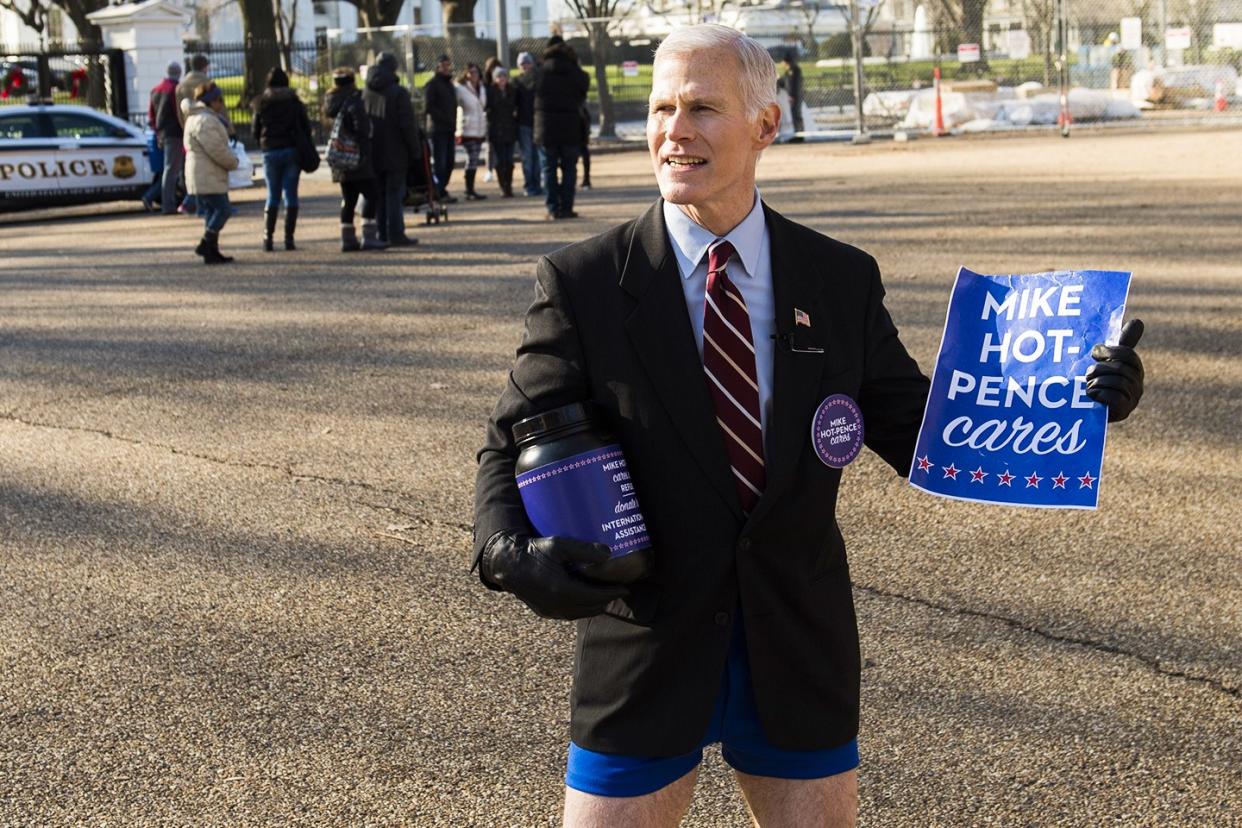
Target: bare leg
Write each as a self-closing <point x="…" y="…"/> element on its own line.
<point x="662" y="809"/>
<point x="828" y="802"/>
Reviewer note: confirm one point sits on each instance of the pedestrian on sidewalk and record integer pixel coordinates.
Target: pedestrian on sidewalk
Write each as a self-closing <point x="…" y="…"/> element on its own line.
<point x="560" y="89"/>
<point x="208" y="162"/>
<point x="532" y="156"/>
<point x="502" y="127"/>
<point x="396" y="146"/>
<point x="489" y="79"/>
<point x="584" y="114"/>
<point x="197" y="75"/>
<point x="280" y="123"/>
<point x="471" y="123"/>
<point x="440" y="101"/>
<point x="165" y="120"/>
<point x="350" y="123"/>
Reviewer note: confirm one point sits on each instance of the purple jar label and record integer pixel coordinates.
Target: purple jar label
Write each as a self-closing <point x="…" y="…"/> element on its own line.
<point x="837" y="431"/>
<point x="588" y="497"/>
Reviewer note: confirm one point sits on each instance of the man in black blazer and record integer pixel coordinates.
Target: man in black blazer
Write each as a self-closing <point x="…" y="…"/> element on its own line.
<point x="744" y="632"/>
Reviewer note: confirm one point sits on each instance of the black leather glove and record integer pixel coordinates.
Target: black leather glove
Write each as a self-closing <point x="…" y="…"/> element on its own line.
<point x="540" y="572"/>
<point x="1116" y="379"/>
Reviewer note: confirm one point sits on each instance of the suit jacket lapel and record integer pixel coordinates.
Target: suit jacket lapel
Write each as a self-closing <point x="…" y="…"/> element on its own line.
<point x="660" y="332"/>
<point x="797" y="285"/>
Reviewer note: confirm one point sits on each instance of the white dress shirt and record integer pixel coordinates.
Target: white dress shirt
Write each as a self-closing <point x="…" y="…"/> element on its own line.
<point x="750" y="268"/>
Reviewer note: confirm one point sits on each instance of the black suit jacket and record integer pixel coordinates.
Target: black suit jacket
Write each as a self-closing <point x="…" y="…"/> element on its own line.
<point x="609" y="324"/>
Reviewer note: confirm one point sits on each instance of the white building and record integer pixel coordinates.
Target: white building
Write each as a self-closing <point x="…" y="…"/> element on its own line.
<point x="219" y="20"/>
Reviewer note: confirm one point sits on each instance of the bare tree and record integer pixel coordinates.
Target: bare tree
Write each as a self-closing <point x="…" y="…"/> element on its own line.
<point x="967" y="17"/>
<point x="1039" y="17"/>
<point x="33" y="14"/>
<point x="458" y="15"/>
<point x="259" y="31"/>
<point x="376" y="13"/>
<point x="286" y="28"/>
<point x="1199" y="15"/>
<point x="598" y="15"/>
<point x="810" y="10"/>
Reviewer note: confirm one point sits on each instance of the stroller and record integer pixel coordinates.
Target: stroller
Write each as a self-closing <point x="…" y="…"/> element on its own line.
<point x="421" y="187"/>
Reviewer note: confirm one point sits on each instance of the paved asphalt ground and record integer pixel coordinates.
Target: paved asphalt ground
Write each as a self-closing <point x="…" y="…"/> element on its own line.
<point x="235" y="510"/>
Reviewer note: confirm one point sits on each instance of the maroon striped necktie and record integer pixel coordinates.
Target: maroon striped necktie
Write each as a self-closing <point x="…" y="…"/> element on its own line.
<point x="729" y="360"/>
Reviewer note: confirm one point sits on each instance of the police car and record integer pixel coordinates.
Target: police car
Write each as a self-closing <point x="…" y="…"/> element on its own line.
<point x="55" y="154"/>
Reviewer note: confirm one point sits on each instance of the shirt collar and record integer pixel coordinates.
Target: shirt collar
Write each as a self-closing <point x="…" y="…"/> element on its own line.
<point x="692" y="239"/>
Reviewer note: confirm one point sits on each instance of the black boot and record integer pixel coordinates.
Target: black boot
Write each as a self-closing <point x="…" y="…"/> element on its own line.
<point x="291" y="224"/>
<point x="506" y="181"/>
<point x="349" y="239"/>
<point x="471" y="195"/>
<point x="269" y="227"/>
<point x="212" y="254"/>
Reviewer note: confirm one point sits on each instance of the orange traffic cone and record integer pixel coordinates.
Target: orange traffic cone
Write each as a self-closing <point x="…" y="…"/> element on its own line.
<point x="938" y="124"/>
<point x="1221" y="103"/>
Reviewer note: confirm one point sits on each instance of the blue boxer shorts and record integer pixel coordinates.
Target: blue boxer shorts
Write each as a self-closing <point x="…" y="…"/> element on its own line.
<point x="734" y="724"/>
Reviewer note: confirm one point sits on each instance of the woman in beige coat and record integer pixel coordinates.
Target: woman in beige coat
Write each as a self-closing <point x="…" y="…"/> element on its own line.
<point x="208" y="160"/>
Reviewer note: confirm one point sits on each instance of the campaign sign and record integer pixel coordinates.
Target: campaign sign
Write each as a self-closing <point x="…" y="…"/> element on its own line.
<point x="1008" y="419"/>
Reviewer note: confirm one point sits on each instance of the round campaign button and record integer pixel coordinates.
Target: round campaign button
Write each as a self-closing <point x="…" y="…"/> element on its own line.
<point x="837" y="431"/>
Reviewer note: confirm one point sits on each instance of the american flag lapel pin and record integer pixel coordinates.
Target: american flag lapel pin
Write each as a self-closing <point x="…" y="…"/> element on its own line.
<point x="801" y="317"/>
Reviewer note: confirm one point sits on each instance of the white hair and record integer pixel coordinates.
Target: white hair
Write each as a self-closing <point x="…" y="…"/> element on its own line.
<point x="756" y="69"/>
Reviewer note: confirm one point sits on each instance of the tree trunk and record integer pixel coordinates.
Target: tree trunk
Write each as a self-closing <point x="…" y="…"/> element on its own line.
<point x="259" y="33"/>
<point x="598" y="34"/>
<point x="458" y="18"/>
<point x="972" y="29"/>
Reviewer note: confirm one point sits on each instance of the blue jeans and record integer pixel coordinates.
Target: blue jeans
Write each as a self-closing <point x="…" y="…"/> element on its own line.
<point x="280" y="168"/>
<point x="216" y="210"/>
<point x="532" y="161"/>
<point x="443" y="156"/>
<point x="390" y="190"/>
<point x="560" y="193"/>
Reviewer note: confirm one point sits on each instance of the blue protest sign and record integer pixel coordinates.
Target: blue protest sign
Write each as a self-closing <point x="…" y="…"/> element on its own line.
<point x="1008" y="419"/>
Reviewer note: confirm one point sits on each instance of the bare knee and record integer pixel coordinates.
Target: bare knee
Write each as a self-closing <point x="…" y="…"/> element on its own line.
<point x="661" y="809"/>
<point x="827" y="802"/>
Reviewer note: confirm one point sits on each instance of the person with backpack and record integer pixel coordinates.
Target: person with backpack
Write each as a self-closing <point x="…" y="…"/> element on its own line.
<point x="280" y="120"/>
<point x="349" y="157"/>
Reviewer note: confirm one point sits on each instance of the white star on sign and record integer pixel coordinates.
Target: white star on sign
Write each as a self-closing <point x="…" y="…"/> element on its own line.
<point x="977" y="475"/>
<point x="1086" y="480"/>
<point x="1033" y="480"/>
<point x="951" y="471"/>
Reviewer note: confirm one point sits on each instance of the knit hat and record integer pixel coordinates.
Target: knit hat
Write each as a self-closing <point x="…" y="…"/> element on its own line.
<point x="525" y="58"/>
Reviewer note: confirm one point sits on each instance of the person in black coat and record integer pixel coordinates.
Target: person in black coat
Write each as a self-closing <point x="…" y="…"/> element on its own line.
<point x="279" y="118"/>
<point x="344" y="104"/>
<point x="502" y="126"/>
<point x="560" y="89"/>
<point x="440" y="101"/>
<point x="793" y="85"/>
<point x="396" y="146"/>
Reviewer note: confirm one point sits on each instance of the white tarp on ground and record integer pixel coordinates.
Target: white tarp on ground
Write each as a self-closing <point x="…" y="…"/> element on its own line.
<point x="1005" y="108"/>
<point x="1178" y="84"/>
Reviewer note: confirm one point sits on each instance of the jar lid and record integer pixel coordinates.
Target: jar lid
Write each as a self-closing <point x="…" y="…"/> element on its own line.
<point x="566" y="416"/>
